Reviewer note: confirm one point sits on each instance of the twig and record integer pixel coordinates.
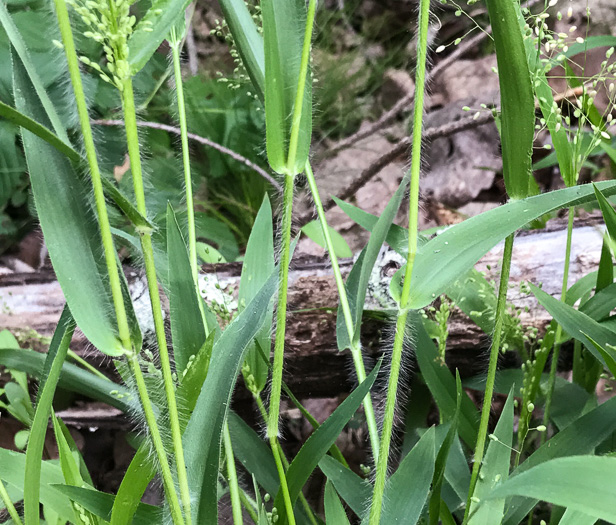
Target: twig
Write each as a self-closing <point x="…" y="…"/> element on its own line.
<point x="200" y="140"/>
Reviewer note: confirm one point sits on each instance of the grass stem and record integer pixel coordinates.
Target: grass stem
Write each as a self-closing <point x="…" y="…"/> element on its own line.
<point x="396" y="358"/>
<point x="234" y="490"/>
<point x="95" y="175"/>
<point x="556" y="351"/>
<point x="4" y="495"/>
<point x="132" y="139"/>
<point x="501" y="305"/>
<point x="281" y="317"/>
<point x="159" y="448"/>
<point x="358" y="361"/>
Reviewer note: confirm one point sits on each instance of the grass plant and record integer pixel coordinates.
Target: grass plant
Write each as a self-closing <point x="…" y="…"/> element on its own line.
<point x="179" y="388"/>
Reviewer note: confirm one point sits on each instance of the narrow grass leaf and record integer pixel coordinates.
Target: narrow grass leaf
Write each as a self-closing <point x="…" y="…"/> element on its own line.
<point x="187" y="330"/>
<point x="462" y="245"/>
<point x="72" y="378"/>
<point x="151" y="30"/>
<point x="314" y="232"/>
<point x="582" y="483"/>
<point x="257" y="266"/>
<point x="248" y="41"/>
<point x="494" y="470"/>
<point x="609" y="215"/>
<point x="599" y="306"/>
<point x="397" y="236"/>
<point x="442" y="385"/>
<point x="100" y="504"/>
<point x="517" y="100"/>
<point x="62" y="202"/>
<point x="355" y="491"/>
<point x="357" y="282"/>
<point x="18" y="43"/>
<point x="577" y="324"/>
<point x="580" y="437"/>
<point x="12" y="466"/>
<point x="575" y="517"/>
<point x="434" y="505"/>
<point x="605" y="273"/>
<point x="142" y="224"/>
<point x="334" y="511"/>
<point x="320" y="441"/>
<point x="202" y="437"/>
<point x="47" y="388"/>
<point x="406" y="491"/>
<point x="284" y="23"/>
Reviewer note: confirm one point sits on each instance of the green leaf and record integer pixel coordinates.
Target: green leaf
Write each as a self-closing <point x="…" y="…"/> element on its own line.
<point x="17" y="42"/>
<point x="355" y="491"/>
<point x="72" y="378"/>
<point x="575" y="517"/>
<point x="397" y="237"/>
<point x="462" y="245"/>
<point x="357" y="282"/>
<point x="314" y="231"/>
<point x="248" y="41"/>
<point x="203" y="433"/>
<point x="517" y="100"/>
<point x="601" y="304"/>
<point x="284" y="23"/>
<point x="609" y="215"/>
<point x="101" y="503"/>
<point x="187" y="327"/>
<point x="142" y="225"/>
<point x="72" y="236"/>
<point x="317" y="445"/>
<point x="49" y="381"/>
<point x="257" y="266"/>
<point x="441" y="459"/>
<point x="442" y="385"/>
<point x="582" y="483"/>
<point x="334" y="511"/>
<point x="494" y="470"/>
<point x="407" y="489"/>
<point x="605" y="273"/>
<point x="151" y="30"/>
<point x="580" y="437"/>
<point x="208" y="254"/>
<point x="12" y="466"/>
<point x="577" y="324"/>
<point x="14" y="116"/>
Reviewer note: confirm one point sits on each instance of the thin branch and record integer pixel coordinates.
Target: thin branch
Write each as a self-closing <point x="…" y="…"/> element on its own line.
<point x="200" y="140"/>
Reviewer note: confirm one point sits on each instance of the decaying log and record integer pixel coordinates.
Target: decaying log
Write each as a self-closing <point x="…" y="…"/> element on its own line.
<point x="314" y="367"/>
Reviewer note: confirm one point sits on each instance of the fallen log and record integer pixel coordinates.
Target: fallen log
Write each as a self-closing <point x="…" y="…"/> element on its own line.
<point x="31" y="303"/>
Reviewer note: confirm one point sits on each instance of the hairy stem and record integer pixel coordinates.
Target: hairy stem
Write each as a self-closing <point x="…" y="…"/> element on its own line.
<point x="556" y="352"/>
<point x="396" y="358"/>
<point x="234" y="488"/>
<point x="132" y="140"/>
<point x="150" y="418"/>
<point x="281" y="318"/>
<point x="301" y="88"/>
<point x="4" y="495"/>
<point x="95" y="174"/>
<point x="501" y="305"/>
<point x="358" y="361"/>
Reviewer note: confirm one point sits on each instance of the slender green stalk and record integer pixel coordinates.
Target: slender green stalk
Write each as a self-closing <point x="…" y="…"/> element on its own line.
<point x="301" y="87"/>
<point x="179" y="88"/>
<point x="236" y="503"/>
<point x="85" y="364"/>
<point x="95" y="175"/>
<point x="249" y="506"/>
<point x="358" y="361"/>
<point x="132" y="139"/>
<point x="556" y="352"/>
<point x="396" y="358"/>
<point x="148" y="411"/>
<point x="501" y="305"/>
<point x="9" y="504"/>
<point x="281" y="318"/>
